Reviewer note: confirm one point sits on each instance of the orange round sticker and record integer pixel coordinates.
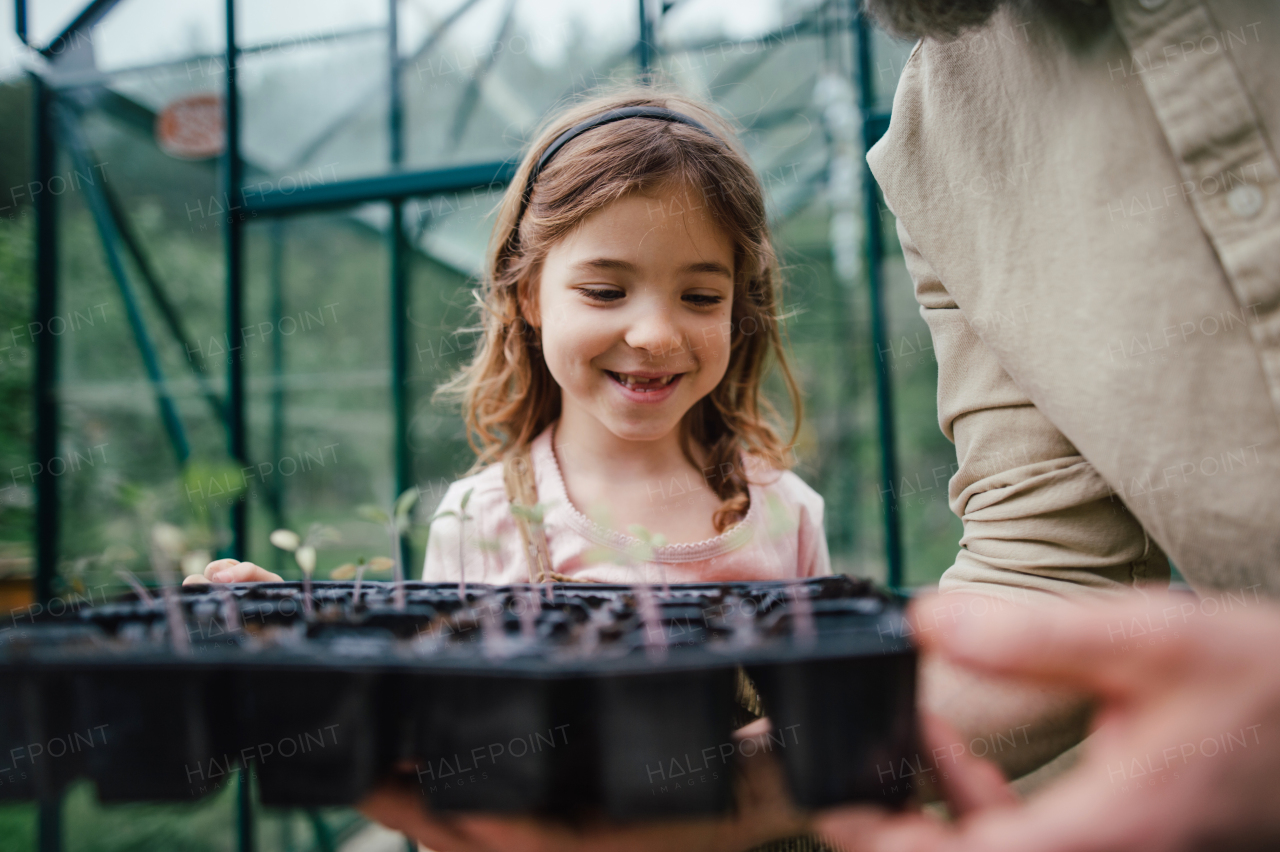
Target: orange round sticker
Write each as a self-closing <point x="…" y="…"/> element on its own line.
<point x="192" y="128"/>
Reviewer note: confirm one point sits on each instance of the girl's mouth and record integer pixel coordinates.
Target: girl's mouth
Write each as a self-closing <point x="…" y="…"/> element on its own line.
<point x="645" y="388"/>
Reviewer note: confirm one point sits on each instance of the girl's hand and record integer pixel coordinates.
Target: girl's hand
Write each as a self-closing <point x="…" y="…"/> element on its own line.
<point x="232" y="571"/>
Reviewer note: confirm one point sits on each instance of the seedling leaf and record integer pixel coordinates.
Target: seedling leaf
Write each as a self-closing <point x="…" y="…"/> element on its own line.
<point x="405" y="502"/>
<point x="286" y="539"/>
<point x="306" y="558"/>
<point x="373" y="514"/>
<point x="379" y="564"/>
<point x="343" y="572"/>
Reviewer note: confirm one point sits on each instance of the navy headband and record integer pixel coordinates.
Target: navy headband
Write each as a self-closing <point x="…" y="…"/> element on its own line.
<point x="659" y="113"/>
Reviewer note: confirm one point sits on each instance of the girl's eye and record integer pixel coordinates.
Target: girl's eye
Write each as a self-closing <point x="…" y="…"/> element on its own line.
<point x="602" y="294"/>
<point x="703" y="300"/>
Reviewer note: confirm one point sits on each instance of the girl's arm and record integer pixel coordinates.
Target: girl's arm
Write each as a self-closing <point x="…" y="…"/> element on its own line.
<point x="815" y="559"/>
<point x="443" y="538"/>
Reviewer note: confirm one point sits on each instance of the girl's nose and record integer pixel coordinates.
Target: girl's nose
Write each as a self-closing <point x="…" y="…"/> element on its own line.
<point x="654" y="329"/>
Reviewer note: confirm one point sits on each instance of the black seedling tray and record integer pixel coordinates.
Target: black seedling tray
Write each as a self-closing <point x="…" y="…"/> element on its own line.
<point x="565" y="700"/>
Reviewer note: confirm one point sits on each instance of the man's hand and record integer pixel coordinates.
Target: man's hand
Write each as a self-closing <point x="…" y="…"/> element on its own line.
<point x="1185" y="753"/>
<point x="763" y="812"/>
<point x="988" y="713"/>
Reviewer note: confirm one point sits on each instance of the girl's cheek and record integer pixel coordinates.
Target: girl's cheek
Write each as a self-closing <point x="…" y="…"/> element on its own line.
<point x="571" y="346"/>
<point x="713" y="339"/>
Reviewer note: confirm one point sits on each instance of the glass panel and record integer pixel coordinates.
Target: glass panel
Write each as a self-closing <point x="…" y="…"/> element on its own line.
<point x="316" y="105"/>
<point x="124" y="459"/>
<point x="317" y="359"/>
<point x="47" y="18"/>
<point x="150" y="32"/>
<point x="477" y="76"/>
<point x="475" y="90"/>
<point x="17" y="355"/>
<point x="890" y="57"/>
<point x="449" y="234"/>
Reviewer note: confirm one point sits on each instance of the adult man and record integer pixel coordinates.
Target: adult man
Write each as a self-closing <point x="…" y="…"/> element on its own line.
<point x="1088" y="201"/>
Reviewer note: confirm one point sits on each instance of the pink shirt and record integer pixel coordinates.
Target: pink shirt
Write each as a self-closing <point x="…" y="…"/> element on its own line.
<point x="781" y="536"/>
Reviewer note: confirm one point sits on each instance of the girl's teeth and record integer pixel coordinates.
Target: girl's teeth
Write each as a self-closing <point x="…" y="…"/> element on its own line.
<point x="632" y="381"/>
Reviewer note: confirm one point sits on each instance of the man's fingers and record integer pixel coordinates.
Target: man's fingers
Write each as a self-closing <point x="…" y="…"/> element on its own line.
<point x="969" y="783"/>
<point x="1074" y="814"/>
<point x="1109" y="647"/>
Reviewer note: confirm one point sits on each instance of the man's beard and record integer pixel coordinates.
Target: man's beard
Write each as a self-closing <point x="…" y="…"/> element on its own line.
<point x="940" y="19"/>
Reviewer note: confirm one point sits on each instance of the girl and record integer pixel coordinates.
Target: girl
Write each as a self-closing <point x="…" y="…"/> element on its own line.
<point x="629" y="312"/>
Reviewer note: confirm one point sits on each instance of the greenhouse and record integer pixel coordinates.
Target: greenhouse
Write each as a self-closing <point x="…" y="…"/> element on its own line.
<point x="243" y="261"/>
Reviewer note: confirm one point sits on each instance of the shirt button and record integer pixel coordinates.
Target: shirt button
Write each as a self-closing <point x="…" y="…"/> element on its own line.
<point x="1245" y="201"/>
<point x="1151" y="5"/>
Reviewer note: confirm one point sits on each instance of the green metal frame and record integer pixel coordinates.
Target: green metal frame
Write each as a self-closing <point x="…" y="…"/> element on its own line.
<point x="45" y="402"/>
<point x="874" y="126"/>
<point x="398" y="267"/>
<point x="393" y="188"/>
<point x="233" y="234"/>
<point x="111" y="237"/>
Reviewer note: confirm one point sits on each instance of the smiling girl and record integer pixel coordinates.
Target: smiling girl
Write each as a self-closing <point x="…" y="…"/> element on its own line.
<point x="630" y="310"/>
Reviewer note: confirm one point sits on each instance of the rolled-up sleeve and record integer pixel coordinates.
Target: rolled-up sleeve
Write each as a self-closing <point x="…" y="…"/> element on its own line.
<point x="1037" y="516"/>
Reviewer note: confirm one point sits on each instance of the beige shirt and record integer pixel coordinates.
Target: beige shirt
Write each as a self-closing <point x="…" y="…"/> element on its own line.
<point x="1088" y="200"/>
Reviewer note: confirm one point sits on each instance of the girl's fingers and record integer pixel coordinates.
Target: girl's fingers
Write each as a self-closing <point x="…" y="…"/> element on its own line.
<point x="219" y="565"/>
<point x="232" y="571"/>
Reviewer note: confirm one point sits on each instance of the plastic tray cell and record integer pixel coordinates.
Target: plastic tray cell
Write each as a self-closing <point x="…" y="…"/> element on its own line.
<point x="839" y="728"/>
<point x="504" y="744"/>
<point x="311" y="734"/>
<point x="661" y="738"/>
<point x="157" y="741"/>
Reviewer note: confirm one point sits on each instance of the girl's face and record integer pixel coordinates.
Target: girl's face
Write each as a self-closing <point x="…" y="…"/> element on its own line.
<point x="635" y="309"/>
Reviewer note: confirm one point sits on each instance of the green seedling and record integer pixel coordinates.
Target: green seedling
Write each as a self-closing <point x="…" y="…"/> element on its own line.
<point x="462" y="517"/>
<point x="167" y="545"/>
<point x="397" y="522"/>
<point x="358" y="569"/>
<point x="304" y="553"/>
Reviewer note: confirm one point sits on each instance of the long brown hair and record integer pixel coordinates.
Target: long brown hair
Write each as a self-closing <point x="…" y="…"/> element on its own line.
<point x="509" y="396"/>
